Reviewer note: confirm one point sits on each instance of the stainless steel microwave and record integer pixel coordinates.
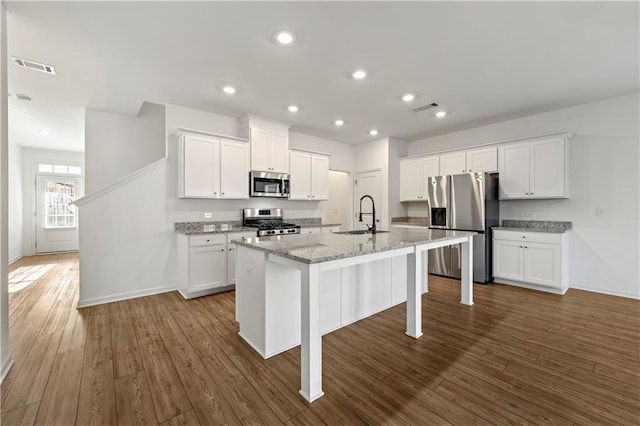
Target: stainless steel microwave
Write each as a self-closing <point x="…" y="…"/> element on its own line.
<point x="269" y="184"/>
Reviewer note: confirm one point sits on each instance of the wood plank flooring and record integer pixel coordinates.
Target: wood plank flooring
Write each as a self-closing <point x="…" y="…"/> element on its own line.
<point x="515" y="357"/>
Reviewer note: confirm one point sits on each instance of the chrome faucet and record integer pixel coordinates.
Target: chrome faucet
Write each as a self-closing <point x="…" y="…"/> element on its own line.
<point x="371" y="228"/>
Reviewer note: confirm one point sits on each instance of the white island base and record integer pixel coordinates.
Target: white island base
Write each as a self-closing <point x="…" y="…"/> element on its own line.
<point x="292" y="292"/>
<point x="268" y="296"/>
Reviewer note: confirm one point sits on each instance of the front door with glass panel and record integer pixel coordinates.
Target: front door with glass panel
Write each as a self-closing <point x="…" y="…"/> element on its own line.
<point x="56" y="218"/>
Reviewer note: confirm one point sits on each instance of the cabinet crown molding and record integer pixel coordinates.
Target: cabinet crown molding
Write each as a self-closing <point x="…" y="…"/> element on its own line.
<point x="181" y="131"/>
<point x="564" y="133"/>
<point x="254" y="117"/>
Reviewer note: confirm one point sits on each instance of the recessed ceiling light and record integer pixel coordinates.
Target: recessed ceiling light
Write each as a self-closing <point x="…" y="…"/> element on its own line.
<point x="359" y="74"/>
<point x="338" y="122"/>
<point x="285" y="37"/>
<point x="44" y="132"/>
<point x="292" y="108"/>
<point x="408" y="97"/>
<point x="441" y="114"/>
<point x="229" y="90"/>
<point x="373" y="132"/>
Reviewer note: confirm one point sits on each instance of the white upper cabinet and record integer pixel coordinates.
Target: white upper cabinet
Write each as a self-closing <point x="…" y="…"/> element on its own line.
<point x="453" y="163"/>
<point x="269" y="143"/>
<point x="234" y="169"/>
<point x="198" y="156"/>
<point x="476" y="160"/>
<point x="211" y="166"/>
<point x="413" y="177"/>
<point x="482" y="160"/>
<point x="309" y="176"/>
<point x="537" y="169"/>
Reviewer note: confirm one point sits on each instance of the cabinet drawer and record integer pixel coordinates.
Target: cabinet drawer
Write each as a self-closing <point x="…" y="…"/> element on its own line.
<point x="239" y="236"/>
<point x="534" y="237"/>
<point x="207" y="240"/>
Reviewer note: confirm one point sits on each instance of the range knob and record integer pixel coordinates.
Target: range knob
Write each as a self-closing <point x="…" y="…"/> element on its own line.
<point x="291" y="231"/>
<point x="271" y="232"/>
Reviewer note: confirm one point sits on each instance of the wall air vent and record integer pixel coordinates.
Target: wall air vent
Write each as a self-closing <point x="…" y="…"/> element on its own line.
<point x="25" y="63"/>
<point x="425" y="107"/>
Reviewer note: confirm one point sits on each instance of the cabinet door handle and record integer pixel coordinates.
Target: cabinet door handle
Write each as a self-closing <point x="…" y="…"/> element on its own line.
<point x="531" y="194"/>
<point x="223" y="193"/>
<point x="521" y="247"/>
<point x="221" y="249"/>
<point x="215" y="193"/>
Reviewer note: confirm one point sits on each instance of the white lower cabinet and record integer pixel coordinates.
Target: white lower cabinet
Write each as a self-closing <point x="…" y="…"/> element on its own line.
<point x="231" y="254"/>
<point x="207" y="263"/>
<point x="532" y="259"/>
<point x="335" y="228"/>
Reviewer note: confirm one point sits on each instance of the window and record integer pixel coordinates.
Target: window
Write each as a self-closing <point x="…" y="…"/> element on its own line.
<point x="58" y="212"/>
<point x="60" y="169"/>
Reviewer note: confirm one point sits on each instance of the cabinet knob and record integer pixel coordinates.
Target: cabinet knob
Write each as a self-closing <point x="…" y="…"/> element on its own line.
<point x="526" y="247"/>
<point x="215" y="193"/>
<point x="531" y="193"/>
<point x="521" y="247"/>
<point x="223" y="193"/>
<point x="221" y="249"/>
<point x="524" y="236"/>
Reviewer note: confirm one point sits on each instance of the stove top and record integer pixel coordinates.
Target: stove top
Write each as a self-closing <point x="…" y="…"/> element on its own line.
<point x="268" y="222"/>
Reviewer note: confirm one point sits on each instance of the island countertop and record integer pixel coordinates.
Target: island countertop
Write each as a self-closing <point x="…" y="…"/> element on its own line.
<point x="324" y="247"/>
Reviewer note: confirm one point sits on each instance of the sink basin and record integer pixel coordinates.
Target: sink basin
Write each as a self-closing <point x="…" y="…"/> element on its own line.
<point x="359" y="232"/>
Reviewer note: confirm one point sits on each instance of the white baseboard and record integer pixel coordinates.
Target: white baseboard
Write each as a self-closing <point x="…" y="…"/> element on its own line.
<point x="608" y="291"/>
<point x="15" y="259"/>
<point x="554" y="290"/>
<point x="124" y="296"/>
<point x="5" y="368"/>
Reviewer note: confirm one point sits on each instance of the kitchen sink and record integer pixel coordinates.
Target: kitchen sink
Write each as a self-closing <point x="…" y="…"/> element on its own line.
<point x="359" y="232"/>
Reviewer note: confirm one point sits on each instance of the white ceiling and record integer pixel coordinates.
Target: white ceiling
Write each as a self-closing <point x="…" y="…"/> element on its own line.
<point x="484" y="62"/>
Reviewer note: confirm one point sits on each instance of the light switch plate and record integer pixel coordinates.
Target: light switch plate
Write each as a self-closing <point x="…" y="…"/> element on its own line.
<point x="208" y="215"/>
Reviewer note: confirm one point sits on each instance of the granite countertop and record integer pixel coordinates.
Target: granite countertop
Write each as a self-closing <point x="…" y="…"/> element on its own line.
<point x="217" y="227"/>
<point x="410" y="220"/>
<point x="323" y="247"/>
<point x="534" y="226"/>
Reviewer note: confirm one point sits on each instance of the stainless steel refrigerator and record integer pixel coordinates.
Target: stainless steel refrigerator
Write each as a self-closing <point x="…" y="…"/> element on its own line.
<point x="467" y="202"/>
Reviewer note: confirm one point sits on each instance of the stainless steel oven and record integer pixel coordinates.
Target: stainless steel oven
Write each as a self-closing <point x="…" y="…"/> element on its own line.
<point x="269" y="184"/>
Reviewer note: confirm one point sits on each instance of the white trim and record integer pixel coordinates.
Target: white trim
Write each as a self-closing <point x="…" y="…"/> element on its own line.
<point x="15" y="259"/>
<point x="125" y="296"/>
<point x="182" y="130"/>
<point x="608" y="291"/>
<point x="120" y="182"/>
<point x="566" y="133"/>
<point x="554" y="290"/>
<point x="6" y="368"/>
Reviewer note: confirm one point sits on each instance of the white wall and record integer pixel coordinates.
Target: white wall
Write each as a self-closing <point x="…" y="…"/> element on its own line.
<point x="397" y="150"/>
<point x="30" y="159"/>
<point x="131" y="251"/>
<point x="340" y="204"/>
<point x="16" y="201"/>
<point x="342" y="154"/>
<point x="374" y="155"/>
<point x="118" y="145"/>
<point x="5" y="354"/>
<point x="604" y="173"/>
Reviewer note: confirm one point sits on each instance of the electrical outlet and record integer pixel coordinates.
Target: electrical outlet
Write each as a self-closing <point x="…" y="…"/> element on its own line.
<point x="600" y="211"/>
<point x="529" y="215"/>
<point x="208" y="215"/>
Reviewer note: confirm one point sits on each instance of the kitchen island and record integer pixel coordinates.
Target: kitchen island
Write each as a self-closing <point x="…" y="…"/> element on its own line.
<point x="287" y="287"/>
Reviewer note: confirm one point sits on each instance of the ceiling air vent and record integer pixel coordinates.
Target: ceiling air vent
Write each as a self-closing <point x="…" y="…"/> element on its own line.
<point x="426" y="107"/>
<point x="25" y="63"/>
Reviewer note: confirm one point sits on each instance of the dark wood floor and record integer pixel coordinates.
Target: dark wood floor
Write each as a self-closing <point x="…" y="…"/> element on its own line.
<point x="516" y="356"/>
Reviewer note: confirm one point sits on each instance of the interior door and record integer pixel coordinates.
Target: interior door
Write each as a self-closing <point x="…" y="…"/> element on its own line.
<point x="368" y="183"/>
<point x="56" y="219"/>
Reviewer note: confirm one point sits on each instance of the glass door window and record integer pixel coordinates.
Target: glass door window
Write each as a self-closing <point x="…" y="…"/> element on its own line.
<point x="59" y="213"/>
